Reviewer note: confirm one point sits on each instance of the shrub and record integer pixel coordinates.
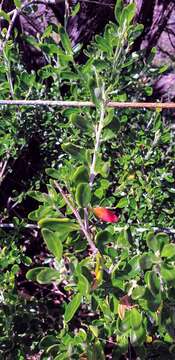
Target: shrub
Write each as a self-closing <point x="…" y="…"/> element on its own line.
<point x="107" y="214"/>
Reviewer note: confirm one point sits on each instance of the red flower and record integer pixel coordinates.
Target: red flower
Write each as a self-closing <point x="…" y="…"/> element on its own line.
<point x="105" y="214"/>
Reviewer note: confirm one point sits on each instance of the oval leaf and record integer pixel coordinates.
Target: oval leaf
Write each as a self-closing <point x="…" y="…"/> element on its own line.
<point x="65" y="41"/>
<point x="53" y="242"/>
<point x="72" y="307"/>
<point x="83" y="195"/>
<point x="81" y="175"/>
<point x="104" y="237"/>
<point x="135" y="318"/>
<point x="168" y="250"/>
<point x="47" y="276"/>
<point x="60" y="225"/>
<point x="153" y="283"/>
<point x="32" y="273"/>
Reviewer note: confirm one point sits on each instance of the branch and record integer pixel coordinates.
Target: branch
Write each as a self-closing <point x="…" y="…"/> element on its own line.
<point x="97" y="144"/>
<point x="79" y="104"/>
<point x="2" y="170"/>
<point x="13" y="226"/>
<point x="15" y="14"/>
<point x="143" y="229"/>
<point x="77" y="216"/>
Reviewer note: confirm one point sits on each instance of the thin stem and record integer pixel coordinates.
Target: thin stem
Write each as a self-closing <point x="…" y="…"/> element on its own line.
<point x="9" y="77"/>
<point x="66" y="14"/>
<point x="2" y="171"/>
<point x="13" y="226"/>
<point x="78" y="217"/>
<point x="97" y="144"/>
<point x="92" y="168"/>
<point x="143" y="229"/>
<point x="86" y="221"/>
<point x="15" y="14"/>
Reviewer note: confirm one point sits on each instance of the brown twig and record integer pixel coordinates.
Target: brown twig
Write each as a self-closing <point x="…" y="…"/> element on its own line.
<point x="79" y="104"/>
<point x="78" y="217"/>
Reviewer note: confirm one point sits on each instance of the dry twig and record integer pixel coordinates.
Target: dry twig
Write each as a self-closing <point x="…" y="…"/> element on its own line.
<point x="79" y="104"/>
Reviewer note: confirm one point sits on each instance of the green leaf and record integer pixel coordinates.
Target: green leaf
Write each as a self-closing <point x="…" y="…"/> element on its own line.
<point x="32" y="273"/>
<point x="47" y="276"/>
<point x="80" y="121"/>
<point x="60" y="225"/>
<point x="53" y="349"/>
<point x="96" y="92"/>
<point x="118" y="10"/>
<point x="103" y="44"/>
<point x="162" y="239"/>
<point x="102" y="167"/>
<point x="125" y="324"/>
<point x="42" y="212"/>
<point x="103" y="237"/>
<point x="122" y="203"/>
<point x="47" y="32"/>
<point x="135" y="318"/>
<point x="83" y="285"/>
<point x="69" y="75"/>
<point x="53" y="242"/>
<point x="17" y="3"/>
<point x="168" y="273"/>
<point x="37" y="195"/>
<point x="146" y="261"/>
<point x="168" y="251"/>
<point x="81" y="175"/>
<point x="148" y="90"/>
<point x="128" y="13"/>
<point x="62" y="356"/>
<point x="114" y="125"/>
<point x="47" y="341"/>
<point x="152" y="302"/>
<point x="74" y="150"/>
<point x="98" y="352"/>
<point x="55" y="174"/>
<point x="5" y="15"/>
<point x="83" y="195"/>
<point x="163" y="68"/>
<point x="152" y="242"/>
<point x="138" y="292"/>
<point x="138" y="336"/>
<point x="72" y="307"/>
<point x="153" y="282"/>
<point x="65" y="41"/>
<point x="75" y="9"/>
<point x="122" y="239"/>
<point x="94" y="330"/>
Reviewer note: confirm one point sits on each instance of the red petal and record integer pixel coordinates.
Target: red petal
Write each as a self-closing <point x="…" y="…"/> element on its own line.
<point x="105" y="214"/>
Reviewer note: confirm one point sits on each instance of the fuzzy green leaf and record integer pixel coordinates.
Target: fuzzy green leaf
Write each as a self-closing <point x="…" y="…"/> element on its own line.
<point x="81" y="175"/>
<point x="53" y="242"/>
<point x="32" y="273"/>
<point x="83" y="195"/>
<point x="47" y="276"/>
<point x="72" y="307"/>
<point x="65" y="41"/>
<point x="60" y="225"/>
